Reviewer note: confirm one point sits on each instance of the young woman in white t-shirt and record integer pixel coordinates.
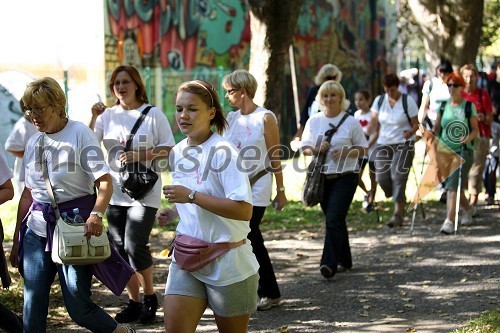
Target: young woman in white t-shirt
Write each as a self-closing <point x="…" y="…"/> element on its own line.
<point x="362" y="99"/>
<point x="213" y="199"/>
<point x="347" y="145"/>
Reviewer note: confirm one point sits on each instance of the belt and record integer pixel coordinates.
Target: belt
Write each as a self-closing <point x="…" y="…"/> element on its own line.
<point x="337" y="175"/>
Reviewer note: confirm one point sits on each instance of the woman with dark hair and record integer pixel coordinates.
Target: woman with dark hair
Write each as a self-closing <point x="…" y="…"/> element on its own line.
<point x="395" y="125"/>
<point x="212" y="196"/>
<point x="130" y="221"/>
<point x="456" y="129"/>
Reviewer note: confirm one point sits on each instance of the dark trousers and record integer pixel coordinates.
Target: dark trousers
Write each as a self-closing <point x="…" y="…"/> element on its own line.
<point x="268" y="286"/>
<point x="9" y="321"/>
<point x="339" y="193"/>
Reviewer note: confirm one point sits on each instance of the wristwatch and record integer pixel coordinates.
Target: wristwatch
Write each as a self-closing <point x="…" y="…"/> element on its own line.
<point x="94" y="212"/>
<point x="191" y="196"/>
<point x="280" y="189"/>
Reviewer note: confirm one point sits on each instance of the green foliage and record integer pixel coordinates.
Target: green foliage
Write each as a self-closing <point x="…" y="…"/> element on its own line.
<point x="491" y="27"/>
<point x="488" y="322"/>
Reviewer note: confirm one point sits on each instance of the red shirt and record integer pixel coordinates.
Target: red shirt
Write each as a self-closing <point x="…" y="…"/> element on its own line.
<point x="482" y="102"/>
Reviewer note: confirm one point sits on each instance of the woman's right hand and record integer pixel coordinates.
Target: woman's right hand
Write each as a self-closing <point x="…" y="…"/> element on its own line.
<point x="166" y="216"/>
<point x="98" y="109"/>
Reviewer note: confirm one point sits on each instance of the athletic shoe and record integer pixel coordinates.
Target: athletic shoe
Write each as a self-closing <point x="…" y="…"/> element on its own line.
<point x="467" y="216"/>
<point x="124" y="329"/>
<point x="326" y="271"/>
<point x="266" y="303"/>
<point x="149" y="307"/>
<point x="448" y="227"/>
<point x="131" y="313"/>
<point x="395" y="221"/>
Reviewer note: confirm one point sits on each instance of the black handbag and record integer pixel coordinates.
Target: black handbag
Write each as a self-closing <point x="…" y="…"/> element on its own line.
<point x="137" y="179"/>
<point x="314" y="185"/>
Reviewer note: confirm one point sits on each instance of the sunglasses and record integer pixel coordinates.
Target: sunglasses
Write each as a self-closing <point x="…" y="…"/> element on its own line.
<point x="455" y="85"/>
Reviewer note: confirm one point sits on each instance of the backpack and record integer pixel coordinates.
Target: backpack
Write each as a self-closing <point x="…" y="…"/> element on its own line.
<point x="405" y="105"/>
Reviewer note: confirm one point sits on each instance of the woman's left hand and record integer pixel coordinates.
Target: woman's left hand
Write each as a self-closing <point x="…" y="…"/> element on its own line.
<point x="128" y="157"/>
<point x="280" y="201"/>
<point x="93" y="226"/>
<point x="176" y="193"/>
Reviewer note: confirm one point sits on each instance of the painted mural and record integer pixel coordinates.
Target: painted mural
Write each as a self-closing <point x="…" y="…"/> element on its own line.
<point x="201" y="38"/>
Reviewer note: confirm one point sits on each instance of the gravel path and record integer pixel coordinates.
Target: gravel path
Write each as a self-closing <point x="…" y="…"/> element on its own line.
<point x="425" y="282"/>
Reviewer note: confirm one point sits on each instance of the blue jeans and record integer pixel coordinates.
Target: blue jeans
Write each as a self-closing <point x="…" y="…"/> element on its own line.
<point x="338" y="196"/>
<point x="39" y="273"/>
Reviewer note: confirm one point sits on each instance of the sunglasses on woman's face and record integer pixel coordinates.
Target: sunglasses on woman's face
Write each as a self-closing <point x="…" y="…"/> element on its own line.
<point x="455" y="85"/>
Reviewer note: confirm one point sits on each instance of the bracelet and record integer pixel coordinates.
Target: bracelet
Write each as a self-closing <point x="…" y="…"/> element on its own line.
<point x="280" y="189"/>
<point x="94" y="212"/>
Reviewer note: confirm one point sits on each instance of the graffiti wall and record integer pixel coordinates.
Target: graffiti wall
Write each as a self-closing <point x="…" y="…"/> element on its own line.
<point x="196" y="38"/>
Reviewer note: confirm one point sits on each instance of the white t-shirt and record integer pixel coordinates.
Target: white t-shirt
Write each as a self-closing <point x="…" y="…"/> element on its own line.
<point x="246" y="133"/>
<point x="393" y="121"/>
<point x="5" y="173"/>
<point x="74" y="161"/>
<point x="348" y="134"/>
<point x="438" y="94"/>
<point x="214" y="168"/>
<point x="113" y="128"/>
<point x="365" y="120"/>
<point x="17" y="139"/>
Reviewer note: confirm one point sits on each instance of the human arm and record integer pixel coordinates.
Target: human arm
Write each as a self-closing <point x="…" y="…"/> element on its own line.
<point x="6" y="191"/>
<point x="272" y="137"/>
<point x="104" y="185"/>
<point x="97" y="109"/>
<point x="165" y="216"/>
<point x="19" y="154"/>
<point x="22" y="209"/>
<point x="414" y="127"/>
<point x="228" y="208"/>
<point x="424" y="105"/>
<point x="474" y="124"/>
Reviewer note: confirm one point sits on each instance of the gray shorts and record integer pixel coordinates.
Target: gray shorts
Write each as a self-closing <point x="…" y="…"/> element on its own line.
<point x="234" y="300"/>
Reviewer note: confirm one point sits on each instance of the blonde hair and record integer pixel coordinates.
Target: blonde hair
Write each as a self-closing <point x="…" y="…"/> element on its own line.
<point x="241" y="79"/>
<point x="328" y="72"/>
<point x="43" y="92"/>
<point x="336" y="87"/>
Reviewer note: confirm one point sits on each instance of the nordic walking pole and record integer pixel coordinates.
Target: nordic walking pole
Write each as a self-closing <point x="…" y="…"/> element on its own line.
<point x="459" y="189"/>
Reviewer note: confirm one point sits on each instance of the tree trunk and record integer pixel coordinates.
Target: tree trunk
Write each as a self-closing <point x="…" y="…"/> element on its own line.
<point x="450" y="29"/>
<point x="272" y="25"/>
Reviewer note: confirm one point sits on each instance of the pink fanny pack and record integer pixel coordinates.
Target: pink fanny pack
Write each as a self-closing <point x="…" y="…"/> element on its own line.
<point x="191" y="253"/>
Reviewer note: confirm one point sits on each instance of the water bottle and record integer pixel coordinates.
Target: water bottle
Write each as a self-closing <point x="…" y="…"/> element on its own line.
<point x="64" y="216"/>
<point x="77" y="217"/>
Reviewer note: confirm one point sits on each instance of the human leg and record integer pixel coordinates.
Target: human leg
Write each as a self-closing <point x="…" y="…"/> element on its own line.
<point x="10" y="322"/>
<point x="339" y="193"/>
<point x="138" y="228"/>
<point x="76" y="283"/>
<point x="400" y="168"/>
<point x="383" y="156"/>
<point x="481" y="149"/>
<point x="268" y="286"/>
<point x="39" y="273"/>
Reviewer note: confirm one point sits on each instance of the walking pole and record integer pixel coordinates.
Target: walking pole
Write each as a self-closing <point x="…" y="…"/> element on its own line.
<point x="418" y="199"/>
<point x="459" y="189"/>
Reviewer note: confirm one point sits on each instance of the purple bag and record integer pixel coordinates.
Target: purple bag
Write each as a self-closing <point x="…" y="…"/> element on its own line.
<point x="113" y="272"/>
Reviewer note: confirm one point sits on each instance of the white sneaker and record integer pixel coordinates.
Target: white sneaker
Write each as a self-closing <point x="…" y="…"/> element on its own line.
<point x="467" y="216"/>
<point x="448" y="227"/>
<point x="266" y="303"/>
<point x="124" y="329"/>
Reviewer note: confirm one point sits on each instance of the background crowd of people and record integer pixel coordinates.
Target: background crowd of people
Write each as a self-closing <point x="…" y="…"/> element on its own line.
<point x="217" y="203"/>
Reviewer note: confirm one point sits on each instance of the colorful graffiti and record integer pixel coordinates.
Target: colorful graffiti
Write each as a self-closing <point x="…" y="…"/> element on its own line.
<point x="200" y="36"/>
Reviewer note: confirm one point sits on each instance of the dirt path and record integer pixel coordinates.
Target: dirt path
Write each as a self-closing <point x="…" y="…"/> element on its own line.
<point x="425" y="282"/>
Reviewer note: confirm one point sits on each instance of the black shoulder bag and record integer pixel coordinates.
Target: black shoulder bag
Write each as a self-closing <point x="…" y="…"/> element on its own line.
<point x="314" y="185"/>
<point x="137" y="179"/>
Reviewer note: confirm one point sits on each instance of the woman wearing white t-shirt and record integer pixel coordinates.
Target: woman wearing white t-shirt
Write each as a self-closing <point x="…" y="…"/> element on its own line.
<point x="394" y="129"/>
<point x="212" y="197"/>
<point x="347" y="145"/>
<point x="254" y="132"/>
<point x="131" y="221"/>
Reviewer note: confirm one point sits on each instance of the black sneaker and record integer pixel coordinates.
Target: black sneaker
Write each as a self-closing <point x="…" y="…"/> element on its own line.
<point x="326" y="271"/>
<point x="149" y="307"/>
<point x="131" y="313"/>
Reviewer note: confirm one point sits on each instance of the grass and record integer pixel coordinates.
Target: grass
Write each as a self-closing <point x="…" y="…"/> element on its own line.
<point x="488" y="322"/>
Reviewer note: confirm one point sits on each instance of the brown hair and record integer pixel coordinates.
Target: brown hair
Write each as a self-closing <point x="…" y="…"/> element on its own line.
<point x="468" y="67"/>
<point x="206" y="92"/>
<point x="365" y="93"/>
<point x="140" y="93"/>
<point x="390" y="80"/>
